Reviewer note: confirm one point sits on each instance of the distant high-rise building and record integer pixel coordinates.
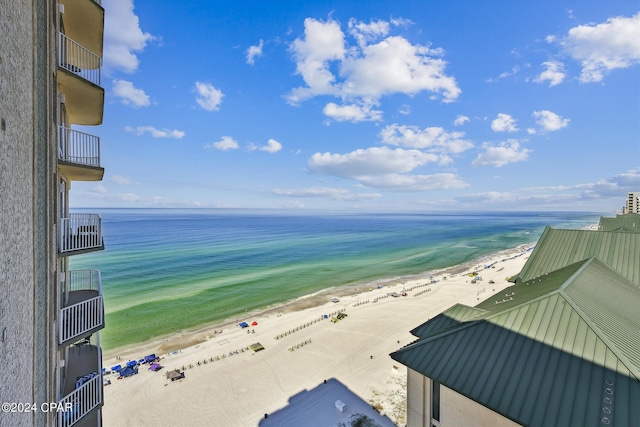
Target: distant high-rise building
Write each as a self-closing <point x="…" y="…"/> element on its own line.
<point x="50" y="315"/>
<point x="633" y="203"/>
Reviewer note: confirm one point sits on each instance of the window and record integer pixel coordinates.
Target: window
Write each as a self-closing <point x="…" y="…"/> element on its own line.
<point x="435" y="400"/>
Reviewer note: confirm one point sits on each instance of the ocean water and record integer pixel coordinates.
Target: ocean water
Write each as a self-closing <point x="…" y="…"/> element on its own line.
<point x="167" y="269"/>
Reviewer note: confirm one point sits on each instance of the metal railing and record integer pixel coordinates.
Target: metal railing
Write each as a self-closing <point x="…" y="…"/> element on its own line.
<point x="84" y="280"/>
<point x="82" y="316"/>
<point x="80" y="401"/>
<point x="79" y="60"/>
<point x="78" y="147"/>
<point x="80" y="232"/>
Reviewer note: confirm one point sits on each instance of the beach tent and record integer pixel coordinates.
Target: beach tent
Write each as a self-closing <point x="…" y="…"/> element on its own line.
<point x="131" y="364"/>
<point x="256" y="347"/>
<point x="254" y="324"/>
<point x="116" y="368"/>
<point x="243" y="324"/>
<point x="149" y="358"/>
<point x="128" y="372"/>
<point x="175" y="375"/>
<point x="155" y="367"/>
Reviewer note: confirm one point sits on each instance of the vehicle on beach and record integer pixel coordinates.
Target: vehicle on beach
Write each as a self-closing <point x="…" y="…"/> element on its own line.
<point x="394" y="294"/>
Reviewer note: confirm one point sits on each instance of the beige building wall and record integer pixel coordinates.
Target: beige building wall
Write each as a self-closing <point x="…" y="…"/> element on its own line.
<point x="17" y="276"/>
<point x="27" y="253"/>
<point x="455" y="409"/>
<point x="418" y="399"/>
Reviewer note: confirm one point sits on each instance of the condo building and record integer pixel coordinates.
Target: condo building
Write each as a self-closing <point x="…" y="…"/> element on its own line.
<point x="632" y="205"/>
<point x="50" y="314"/>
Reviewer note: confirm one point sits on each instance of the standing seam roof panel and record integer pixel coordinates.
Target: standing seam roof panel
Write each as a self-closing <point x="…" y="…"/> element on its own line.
<point x="514" y="365"/>
<point x="492" y="352"/>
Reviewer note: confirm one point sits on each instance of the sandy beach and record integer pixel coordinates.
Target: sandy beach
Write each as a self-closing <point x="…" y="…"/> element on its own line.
<point x="308" y="362"/>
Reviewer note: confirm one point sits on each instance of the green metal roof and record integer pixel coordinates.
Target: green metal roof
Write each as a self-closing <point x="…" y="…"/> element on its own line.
<point x="551" y="352"/>
<point x="559" y="248"/>
<point x="626" y="223"/>
<point x="450" y="318"/>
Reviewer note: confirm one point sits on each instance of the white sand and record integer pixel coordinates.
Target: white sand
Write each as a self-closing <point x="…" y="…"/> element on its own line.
<point x="352" y="354"/>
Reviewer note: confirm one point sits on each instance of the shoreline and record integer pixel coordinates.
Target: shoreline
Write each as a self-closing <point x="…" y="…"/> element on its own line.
<point x="307" y="361"/>
<point x="182" y="339"/>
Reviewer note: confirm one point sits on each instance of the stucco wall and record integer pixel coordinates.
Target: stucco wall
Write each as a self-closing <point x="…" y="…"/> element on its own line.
<point x="418" y="399"/>
<point x="455" y="409"/>
<point x="16" y="209"/>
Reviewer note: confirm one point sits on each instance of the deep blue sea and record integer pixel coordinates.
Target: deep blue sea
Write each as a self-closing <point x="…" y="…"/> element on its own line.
<point x="169" y="269"/>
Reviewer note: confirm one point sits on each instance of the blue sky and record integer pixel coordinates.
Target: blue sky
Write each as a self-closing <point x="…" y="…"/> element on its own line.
<point x="369" y="105"/>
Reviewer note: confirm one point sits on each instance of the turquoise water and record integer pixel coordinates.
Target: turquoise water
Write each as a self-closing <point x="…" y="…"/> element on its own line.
<point x="164" y="270"/>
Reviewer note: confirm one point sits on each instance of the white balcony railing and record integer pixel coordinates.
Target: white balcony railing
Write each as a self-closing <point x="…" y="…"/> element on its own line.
<point x="78" y="147"/>
<point x="80" y="401"/>
<point x="80" y="232"/>
<point x="84" y="280"/>
<point x="78" y="59"/>
<point x="81" y="317"/>
<point x="87" y="313"/>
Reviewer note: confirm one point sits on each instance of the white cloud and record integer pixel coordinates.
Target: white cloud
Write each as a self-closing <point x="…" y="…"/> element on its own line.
<point x="353" y="113"/>
<point x="120" y="180"/>
<point x="123" y="38"/>
<point x="460" y="120"/>
<point x="254" y="52"/>
<point x="550" y="121"/>
<point x="401" y="22"/>
<point x="291" y="204"/>
<point x="397" y="182"/>
<point x="386" y="168"/>
<point x="370" y="161"/>
<point x="515" y="70"/>
<point x="366" y="71"/>
<point x="554" y="73"/>
<point x="434" y="139"/>
<point x="99" y="189"/>
<point x="506" y="152"/>
<point x="604" y="47"/>
<point x="272" y="146"/>
<point x="328" y="192"/>
<point x="209" y="98"/>
<point x="396" y="66"/>
<point x="504" y="123"/>
<point x="225" y="144"/>
<point x="405" y="109"/>
<point x="367" y="33"/>
<point x="613" y="188"/>
<point x="323" y="42"/>
<point x="130" y="95"/>
<point x="156" y="133"/>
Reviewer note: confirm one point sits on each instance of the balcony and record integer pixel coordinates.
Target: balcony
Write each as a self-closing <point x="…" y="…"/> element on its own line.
<point x="83" y="21"/>
<point x="79" y="155"/>
<point x="79" y="82"/>
<point x="80" y="233"/>
<point x="82" y="388"/>
<point x="83" y="312"/>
